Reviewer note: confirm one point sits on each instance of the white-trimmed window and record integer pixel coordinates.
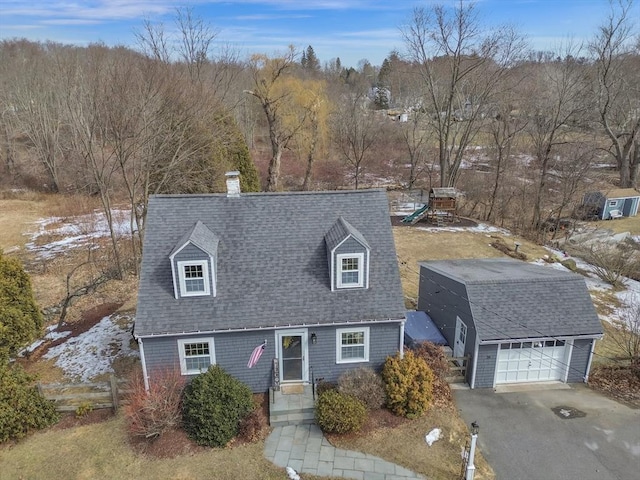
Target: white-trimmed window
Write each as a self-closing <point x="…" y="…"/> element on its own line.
<point x="352" y="345"/>
<point x="194" y="278"/>
<point x="196" y="355"/>
<point x="350" y="271"/>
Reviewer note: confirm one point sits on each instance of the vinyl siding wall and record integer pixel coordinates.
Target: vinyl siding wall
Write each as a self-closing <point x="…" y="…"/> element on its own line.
<point x="233" y="350"/>
<point x="579" y="360"/>
<point x="486" y="368"/>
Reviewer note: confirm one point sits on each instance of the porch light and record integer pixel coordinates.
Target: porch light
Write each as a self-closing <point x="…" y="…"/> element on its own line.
<point x="314" y="338"/>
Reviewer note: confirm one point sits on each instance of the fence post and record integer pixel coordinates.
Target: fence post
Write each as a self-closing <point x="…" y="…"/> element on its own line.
<point x="114" y="392"/>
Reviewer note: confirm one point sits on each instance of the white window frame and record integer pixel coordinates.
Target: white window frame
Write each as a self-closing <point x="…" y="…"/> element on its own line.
<point x="361" y="270"/>
<point x="339" y="345"/>
<point x="183" y="357"/>
<point x="205" y="274"/>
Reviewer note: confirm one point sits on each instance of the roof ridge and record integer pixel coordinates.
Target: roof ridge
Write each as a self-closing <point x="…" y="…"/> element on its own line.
<point x="271" y="194"/>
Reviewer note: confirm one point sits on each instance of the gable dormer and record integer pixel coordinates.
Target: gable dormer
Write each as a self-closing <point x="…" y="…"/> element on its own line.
<point x="348" y="254"/>
<point x="193" y="263"/>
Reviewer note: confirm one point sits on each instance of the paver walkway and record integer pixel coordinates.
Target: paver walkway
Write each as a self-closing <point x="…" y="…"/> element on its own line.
<point x="304" y="448"/>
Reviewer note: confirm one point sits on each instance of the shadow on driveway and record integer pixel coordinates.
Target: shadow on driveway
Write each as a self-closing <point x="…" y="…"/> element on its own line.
<point x="554" y="432"/>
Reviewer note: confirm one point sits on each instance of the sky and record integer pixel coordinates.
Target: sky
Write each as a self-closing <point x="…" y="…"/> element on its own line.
<point x="349" y="29"/>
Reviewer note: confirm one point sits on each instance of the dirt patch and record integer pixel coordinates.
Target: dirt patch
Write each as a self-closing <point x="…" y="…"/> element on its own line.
<point x="71" y="420"/>
<point x="459" y="222"/>
<point x="617" y="382"/>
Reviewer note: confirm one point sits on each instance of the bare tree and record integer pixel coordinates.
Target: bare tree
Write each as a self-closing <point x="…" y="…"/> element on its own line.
<point x="617" y="87"/>
<point x="267" y="74"/>
<point x="355" y="133"/>
<point x="415" y="138"/>
<point x="627" y="333"/>
<point x="460" y="67"/>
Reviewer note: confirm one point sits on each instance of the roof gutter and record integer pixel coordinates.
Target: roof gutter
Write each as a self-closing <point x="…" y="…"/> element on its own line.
<point x="530" y="339"/>
<point x="271" y="327"/>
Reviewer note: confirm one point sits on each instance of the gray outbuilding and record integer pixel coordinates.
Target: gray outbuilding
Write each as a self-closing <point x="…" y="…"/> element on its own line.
<point x="516" y="322"/>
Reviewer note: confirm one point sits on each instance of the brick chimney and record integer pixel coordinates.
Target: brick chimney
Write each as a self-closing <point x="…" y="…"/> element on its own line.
<point x="233" y="184"/>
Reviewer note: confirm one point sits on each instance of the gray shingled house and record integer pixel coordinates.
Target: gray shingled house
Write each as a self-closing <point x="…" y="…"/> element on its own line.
<point x="312" y="276"/>
<point x="517" y="321"/>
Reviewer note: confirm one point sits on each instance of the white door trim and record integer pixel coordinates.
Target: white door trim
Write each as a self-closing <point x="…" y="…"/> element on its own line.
<point x="460" y="338"/>
<point x="304" y="337"/>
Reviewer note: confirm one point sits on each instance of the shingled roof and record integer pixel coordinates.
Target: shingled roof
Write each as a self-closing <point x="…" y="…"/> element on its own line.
<point x="510" y="299"/>
<point x="272" y="267"/>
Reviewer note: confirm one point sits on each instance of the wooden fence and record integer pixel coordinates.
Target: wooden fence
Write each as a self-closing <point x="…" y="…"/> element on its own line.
<point x="68" y="397"/>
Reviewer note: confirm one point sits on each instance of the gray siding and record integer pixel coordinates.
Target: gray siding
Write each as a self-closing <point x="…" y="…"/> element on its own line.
<point x="191" y="252"/>
<point x="579" y="360"/>
<point x="233" y="350"/>
<point x="350" y="245"/>
<point x="384" y="341"/>
<point x="486" y="368"/>
<point x="443" y="299"/>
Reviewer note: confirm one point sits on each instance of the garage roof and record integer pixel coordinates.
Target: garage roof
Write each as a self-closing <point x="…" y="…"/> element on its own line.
<point x="510" y="299"/>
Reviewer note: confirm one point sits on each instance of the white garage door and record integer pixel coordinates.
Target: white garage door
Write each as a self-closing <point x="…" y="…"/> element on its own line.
<point x="531" y="361"/>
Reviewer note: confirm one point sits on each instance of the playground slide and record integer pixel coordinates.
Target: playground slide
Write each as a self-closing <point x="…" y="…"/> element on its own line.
<point x="415" y="216"/>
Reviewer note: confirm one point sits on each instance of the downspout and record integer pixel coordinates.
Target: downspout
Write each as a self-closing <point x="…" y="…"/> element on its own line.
<point x="568" y="360"/>
<point x="401" y="349"/>
<point x="144" y="364"/>
<point x="593" y="348"/>
<point x="476" y="349"/>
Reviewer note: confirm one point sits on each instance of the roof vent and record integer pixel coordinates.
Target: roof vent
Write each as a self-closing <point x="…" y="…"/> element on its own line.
<point x="233" y="184"/>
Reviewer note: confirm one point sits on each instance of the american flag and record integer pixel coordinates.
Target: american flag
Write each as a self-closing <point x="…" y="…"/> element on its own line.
<point x="257" y="353"/>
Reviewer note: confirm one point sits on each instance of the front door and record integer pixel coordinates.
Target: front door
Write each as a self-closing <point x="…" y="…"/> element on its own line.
<point x="460" y="338"/>
<point x="292" y="356"/>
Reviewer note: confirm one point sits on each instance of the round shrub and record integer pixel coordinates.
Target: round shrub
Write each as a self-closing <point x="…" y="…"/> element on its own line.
<point x="214" y="403"/>
<point x="408" y="384"/>
<point x="364" y="384"/>
<point x="22" y="408"/>
<point x="340" y="413"/>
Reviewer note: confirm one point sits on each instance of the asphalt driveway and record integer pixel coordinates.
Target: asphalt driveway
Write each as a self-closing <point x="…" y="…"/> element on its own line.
<point x="554" y="432"/>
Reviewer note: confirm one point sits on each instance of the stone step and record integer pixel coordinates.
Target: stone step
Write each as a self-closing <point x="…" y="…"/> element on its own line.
<point x="284" y="419"/>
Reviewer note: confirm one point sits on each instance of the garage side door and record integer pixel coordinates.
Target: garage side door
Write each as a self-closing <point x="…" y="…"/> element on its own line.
<point x="531" y="361"/>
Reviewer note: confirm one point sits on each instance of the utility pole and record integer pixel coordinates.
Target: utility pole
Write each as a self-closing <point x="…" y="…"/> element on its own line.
<point x="471" y="468"/>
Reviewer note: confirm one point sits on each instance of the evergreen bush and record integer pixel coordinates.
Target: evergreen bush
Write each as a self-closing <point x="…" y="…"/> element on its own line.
<point x="340" y="413"/>
<point x="213" y="406"/>
<point x="364" y="384"/>
<point x="22" y="408"/>
<point x="408" y="384"/>
<point x="20" y="319"/>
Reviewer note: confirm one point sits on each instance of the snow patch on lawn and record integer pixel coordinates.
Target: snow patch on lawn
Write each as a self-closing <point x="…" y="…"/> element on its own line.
<point x="92" y="353"/>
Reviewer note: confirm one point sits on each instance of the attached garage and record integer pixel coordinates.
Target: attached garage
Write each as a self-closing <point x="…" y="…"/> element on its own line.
<point x="522" y="322"/>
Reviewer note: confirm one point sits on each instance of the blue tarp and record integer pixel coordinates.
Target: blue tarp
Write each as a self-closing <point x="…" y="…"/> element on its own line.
<point x="420" y="328"/>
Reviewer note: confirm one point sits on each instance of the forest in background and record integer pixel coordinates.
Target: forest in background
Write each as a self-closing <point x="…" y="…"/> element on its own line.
<point x="523" y="134"/>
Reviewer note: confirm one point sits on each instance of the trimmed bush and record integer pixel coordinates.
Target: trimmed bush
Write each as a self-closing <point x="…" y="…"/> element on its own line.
<point x="408" y="384"/>
<point x="340" y="413"/>
<point x="435" y="358"/>
<point x="213" y="406"/>
<point x="22" y="408"/>
<point x="364" y="384"/>
<point x="152" y="413"/>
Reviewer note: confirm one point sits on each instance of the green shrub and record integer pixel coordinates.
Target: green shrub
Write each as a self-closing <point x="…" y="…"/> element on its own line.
<point x="22" y="408"/>
<point x="364" y="384"/>
<point x="20" y="319"/>
<point x="340" y="413"/>
<point x="213" y="405"/>
<point x="408" y="384"/>
<point x="85" y="408"/>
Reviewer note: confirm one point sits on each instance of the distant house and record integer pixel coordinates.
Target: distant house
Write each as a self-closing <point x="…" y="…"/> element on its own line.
<point x="518" y="322"/>
<point x="311" y="276"/>
<point x="611" y="204"/>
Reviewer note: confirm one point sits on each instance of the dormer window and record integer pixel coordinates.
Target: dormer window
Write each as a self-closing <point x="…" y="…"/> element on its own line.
<point x="348" y="253"/>
<point x="193" y="263"/>
<point x="194" y="278"/>
<point x="350" y="270"/>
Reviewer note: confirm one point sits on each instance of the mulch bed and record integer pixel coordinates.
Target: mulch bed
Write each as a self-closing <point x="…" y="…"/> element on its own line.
<point x="71" y="420"/>
<point x="617" y="382"/>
